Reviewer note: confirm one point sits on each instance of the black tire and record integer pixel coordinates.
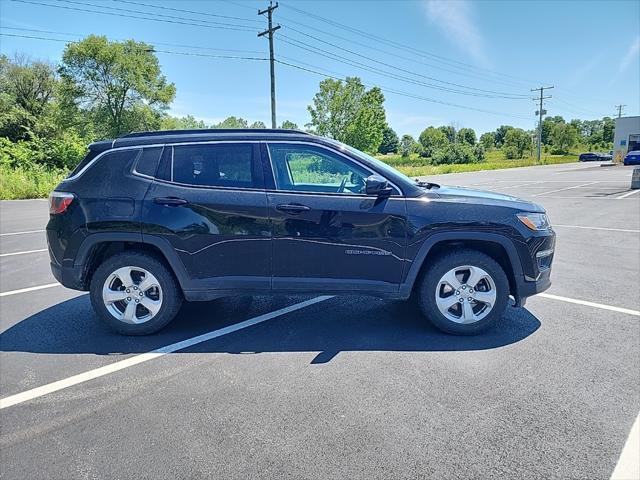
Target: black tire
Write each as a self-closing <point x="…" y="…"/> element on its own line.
<point x="429" y="285"/>
<point x="171" y="293"/>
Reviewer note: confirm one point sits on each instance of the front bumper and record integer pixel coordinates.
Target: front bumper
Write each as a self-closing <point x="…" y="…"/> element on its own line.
<point x="526" y="287"/>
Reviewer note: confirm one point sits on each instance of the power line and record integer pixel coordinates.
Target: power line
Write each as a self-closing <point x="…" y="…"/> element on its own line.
<point x="474" y="91"/>
<point x="178" y="45"/>
<point x="317" y="71"/>
<point x="162" y="7"/>
<point x="620" y="108"/>
<point x="377" y="49"/>
<point x="128" y="10"/>
<point x="192" y="54"/>
<point x="395" y="44"/>
<point x="31" y="2"/>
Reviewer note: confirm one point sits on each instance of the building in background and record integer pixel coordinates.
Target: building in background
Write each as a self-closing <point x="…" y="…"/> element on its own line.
<point x="626" y="137"/>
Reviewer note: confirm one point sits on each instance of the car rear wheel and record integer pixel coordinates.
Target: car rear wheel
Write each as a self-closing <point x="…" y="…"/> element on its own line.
<point x="135" y="294"/>
<point x="464" y="293"/>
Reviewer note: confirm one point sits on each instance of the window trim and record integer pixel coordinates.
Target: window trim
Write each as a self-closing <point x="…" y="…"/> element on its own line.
<point x="400" y="193"/>
<point x="135" y="171"/>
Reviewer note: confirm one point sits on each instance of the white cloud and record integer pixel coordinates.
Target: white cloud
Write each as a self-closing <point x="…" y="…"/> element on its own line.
<point x="455" y="19"/>
<point x="632" y="56"/>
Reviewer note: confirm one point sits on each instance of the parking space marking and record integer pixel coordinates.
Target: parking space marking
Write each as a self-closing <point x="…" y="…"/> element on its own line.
<point x="23" y="252"/>
<point x="565" y="188"/>
<point x="626" y="230"/>
<point x="628" y="194"/>
<point x="20" y="233"/>
<point x="157" y="353"/>
<point x="29" y="289"/>
<point x="628" y="466"/>
<point x="591" y="304"/>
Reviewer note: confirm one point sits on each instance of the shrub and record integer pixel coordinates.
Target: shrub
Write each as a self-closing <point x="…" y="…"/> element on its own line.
<point x="455" y="154"/>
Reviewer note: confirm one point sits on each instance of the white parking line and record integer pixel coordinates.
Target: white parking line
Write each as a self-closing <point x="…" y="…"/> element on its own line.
<point x="145" y="357"/>
<point x="628" y="466"/>
<point x="23" y="252"/>
<point x="566" y="188"/>
<point x="628" y="194"/>
<point x="598" y="228"/>
<point x="29" y="289"/>
<point x="20" y="233"/>
<point x="591" y="304"/>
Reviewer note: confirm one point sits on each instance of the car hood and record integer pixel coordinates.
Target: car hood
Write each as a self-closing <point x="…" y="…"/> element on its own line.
<point x="468" y="195"/>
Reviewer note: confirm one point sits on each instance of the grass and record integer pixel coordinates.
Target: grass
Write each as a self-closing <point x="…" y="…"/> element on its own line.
<point x="416" y="166"/>
<point x="32" y="182"/>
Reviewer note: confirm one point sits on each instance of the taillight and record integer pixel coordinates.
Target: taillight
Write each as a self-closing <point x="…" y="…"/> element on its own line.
<point x="59" y="202"/>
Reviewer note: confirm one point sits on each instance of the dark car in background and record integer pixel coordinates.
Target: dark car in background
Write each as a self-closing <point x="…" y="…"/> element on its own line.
<point x="595" y="157"/>
<point x="150" y="219"/>
<point x="632" y="158"/>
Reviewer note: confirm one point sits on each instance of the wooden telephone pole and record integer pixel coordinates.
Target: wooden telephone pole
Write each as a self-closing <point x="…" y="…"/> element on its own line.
<point x="269" y="33"/>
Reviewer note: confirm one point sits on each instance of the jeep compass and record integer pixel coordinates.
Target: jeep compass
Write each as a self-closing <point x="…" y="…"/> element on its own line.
<point x="150" y="219"/>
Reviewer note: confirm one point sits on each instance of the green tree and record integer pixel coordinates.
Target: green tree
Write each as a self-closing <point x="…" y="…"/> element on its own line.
<point x="258" y="124"/>
<point x="608" y="128"/>
<point x="467" y="135"/>
<point x="432" y="139"/>
<point x="346" y="111"/>
<point x="181" y="123"/>
<point x="119" y="82"/>
<point x="390" y="141"/>
<point x="516" y="143"/>
<point x="233" y="122"/>
<point x="289" y="125"/>
<point x="488" y="140"/>
<point x="547" y="126"/>
<point x="501" y="133"/>
<point x="407" y="145"/>
<point x="450" y="132"/>
<point x="564" y="136"/>
<point x="27" y="90"/>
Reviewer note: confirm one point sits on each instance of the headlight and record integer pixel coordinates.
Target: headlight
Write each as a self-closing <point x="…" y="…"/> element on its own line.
<point x="534" y="221"/>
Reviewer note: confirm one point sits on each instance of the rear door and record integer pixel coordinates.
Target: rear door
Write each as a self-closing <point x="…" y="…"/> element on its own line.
<point x="327" y="234"/>
<point x="208" y="203"/>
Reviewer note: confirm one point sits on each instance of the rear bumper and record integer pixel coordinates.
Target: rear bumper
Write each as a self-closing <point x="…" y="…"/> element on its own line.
<point x="70" y="277"/>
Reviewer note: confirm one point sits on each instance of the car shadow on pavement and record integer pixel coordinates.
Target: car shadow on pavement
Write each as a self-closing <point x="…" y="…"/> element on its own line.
<point x="328" y="327"/>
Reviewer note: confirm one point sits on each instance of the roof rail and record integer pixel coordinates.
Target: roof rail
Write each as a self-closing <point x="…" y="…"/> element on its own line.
<point x="159" y="133"/>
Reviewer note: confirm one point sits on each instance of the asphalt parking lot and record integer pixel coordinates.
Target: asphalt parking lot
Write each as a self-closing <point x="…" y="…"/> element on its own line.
<point x="349" y="387"/>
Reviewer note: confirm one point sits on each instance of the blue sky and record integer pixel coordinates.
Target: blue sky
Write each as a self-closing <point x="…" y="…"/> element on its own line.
<point x="589" y="50"/>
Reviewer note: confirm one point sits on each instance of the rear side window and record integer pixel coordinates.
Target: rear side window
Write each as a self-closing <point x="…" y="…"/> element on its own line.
<point x="211" y="165"/>
<point x="147" y="163"/>
<point x="84" y="162"/>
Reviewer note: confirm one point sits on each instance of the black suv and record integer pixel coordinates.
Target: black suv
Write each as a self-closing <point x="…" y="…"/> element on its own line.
<point x="150" y="219"/>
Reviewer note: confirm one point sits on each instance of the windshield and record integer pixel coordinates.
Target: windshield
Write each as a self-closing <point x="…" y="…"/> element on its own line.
<point x="378" y="164"/>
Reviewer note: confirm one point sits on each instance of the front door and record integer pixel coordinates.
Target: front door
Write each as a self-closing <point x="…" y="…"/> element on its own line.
<point x="328" y="235"/>
<point x="208" y="201"/>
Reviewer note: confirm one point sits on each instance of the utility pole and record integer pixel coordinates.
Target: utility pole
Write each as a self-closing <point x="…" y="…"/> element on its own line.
<point x="540" y="113"/>
<point x="269" y="33"/>
<point x="620" y="108"/>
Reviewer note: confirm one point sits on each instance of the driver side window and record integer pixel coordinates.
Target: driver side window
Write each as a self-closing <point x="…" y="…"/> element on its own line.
<point x="306" y="168"/>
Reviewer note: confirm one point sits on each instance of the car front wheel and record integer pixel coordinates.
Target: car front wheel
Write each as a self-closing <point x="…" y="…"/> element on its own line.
<point x="134" y="293"/>
<point x="464" y="293"/>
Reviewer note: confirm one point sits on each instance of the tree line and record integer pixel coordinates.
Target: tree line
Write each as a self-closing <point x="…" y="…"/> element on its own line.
<point x="102" y="89"/>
